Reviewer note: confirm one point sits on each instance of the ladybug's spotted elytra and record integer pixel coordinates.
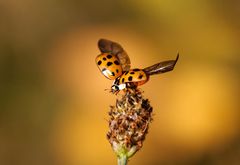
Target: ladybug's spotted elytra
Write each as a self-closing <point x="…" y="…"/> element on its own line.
<point x="109" y="65"/>
<point x="114" y="64"/>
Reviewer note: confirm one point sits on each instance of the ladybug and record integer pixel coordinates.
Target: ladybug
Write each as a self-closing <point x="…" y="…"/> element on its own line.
<point x="114" y="64"/>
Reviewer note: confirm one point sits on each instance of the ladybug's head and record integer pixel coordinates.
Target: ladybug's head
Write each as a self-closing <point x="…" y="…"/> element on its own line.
<point x="114" y="88"/>
<point x="117" y="86"/>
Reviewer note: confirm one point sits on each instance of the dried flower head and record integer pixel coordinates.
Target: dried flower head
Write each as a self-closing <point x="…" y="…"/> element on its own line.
<point x="129" y="122"/>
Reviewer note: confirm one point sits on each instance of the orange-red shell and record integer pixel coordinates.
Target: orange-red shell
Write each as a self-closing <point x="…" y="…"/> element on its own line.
<point x="136" y="76"/>
<point x="109" y="65"/>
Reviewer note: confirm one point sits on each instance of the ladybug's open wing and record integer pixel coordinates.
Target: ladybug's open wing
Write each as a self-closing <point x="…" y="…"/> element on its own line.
<point x="107" y="46"/>
<point x="161" y="67"/>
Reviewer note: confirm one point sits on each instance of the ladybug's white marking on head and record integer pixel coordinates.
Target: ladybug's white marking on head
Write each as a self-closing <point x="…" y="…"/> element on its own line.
<point x="122" y="86"/>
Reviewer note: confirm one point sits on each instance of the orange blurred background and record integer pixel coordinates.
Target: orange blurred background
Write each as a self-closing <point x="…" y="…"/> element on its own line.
<point x="53" y="107"/>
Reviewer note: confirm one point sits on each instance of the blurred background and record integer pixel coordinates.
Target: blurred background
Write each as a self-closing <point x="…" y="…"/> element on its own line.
<point x="53" y="107"/>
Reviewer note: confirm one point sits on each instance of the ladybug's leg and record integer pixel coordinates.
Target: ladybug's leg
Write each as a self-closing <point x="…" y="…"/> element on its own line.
<point x="116" y="92"/>
<point x="131" y="85"/>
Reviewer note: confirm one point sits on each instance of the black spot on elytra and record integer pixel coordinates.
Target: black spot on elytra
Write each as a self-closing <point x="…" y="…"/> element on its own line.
<point x="122" y="80"/>
<point x="130" y="78"/>
<point x="99" y="62"/>
<point x="117" y="70"/>
<point x="140" y="76"/>
<point x="136" y="70"/>
<point x="109" y="56"/>
<point x="104" y="59"/>
<point x="126" y="72"/>
<point x="132" y="72"/>
<point x="109" y="63"/>
<point x="113" y="74"/>
<point x="116" y="62"/>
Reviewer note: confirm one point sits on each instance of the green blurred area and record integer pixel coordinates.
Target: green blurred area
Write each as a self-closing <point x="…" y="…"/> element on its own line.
<point x="52" y="100"/>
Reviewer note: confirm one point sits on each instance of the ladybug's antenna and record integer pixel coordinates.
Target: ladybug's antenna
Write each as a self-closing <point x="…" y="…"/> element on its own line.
<point x="107" y="90"/>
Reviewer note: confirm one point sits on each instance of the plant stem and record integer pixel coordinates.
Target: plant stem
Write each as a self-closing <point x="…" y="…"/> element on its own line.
<point x="122" y="160"/>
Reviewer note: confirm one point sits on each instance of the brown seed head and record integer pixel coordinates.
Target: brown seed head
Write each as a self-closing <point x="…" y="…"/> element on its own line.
<point x="129" y="122"/>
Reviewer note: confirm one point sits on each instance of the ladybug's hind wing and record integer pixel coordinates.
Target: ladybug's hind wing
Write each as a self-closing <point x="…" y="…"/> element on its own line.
<point x="107" y="46"/>
<point x="161" y="67"/>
